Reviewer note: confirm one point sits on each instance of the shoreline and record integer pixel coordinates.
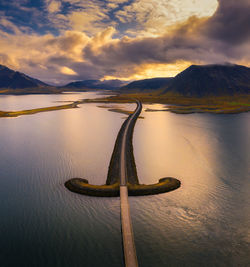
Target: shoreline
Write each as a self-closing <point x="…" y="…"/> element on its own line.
<point x="177" y="104"/>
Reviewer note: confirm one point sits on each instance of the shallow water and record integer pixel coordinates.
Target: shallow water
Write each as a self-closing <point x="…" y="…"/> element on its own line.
<point x="204" y="223"/>
<point x="21" y="102"/>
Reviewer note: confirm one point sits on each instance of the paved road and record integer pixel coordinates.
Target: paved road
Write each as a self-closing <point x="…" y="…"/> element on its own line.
<point x="127" y="230"/>
<point x="123" y="174"/>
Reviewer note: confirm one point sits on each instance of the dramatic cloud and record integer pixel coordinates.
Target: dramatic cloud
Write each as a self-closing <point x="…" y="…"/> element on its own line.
<point x="231" y="23"/>
<point x="152" y="17"/>
<point x="126" y="39"/>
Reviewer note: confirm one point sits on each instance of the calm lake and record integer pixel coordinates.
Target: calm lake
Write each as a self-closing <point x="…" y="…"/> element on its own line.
<point x="206" y="222"/>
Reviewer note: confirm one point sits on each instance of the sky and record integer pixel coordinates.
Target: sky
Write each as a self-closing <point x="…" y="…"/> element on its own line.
<point x="68" y="40"/>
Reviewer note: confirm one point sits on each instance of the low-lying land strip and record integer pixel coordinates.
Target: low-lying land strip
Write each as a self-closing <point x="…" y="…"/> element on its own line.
<point x="176" y="104"/>
<point x="32" y="90"/>
<point x="185" y="105"/>
<point x="37" y="110"/>
<point x="81" y="186"/>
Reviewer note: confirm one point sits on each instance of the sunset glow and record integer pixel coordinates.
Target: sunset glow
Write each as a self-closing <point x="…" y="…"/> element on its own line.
<point x="63" y="41"/>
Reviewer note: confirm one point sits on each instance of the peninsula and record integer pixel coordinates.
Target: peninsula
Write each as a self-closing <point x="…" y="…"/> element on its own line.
<point x="9" y="114"/>
<point x="123" y="148"/>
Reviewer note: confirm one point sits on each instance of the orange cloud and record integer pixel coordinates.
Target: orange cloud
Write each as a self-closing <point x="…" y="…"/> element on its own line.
<point x="67" y="71"/>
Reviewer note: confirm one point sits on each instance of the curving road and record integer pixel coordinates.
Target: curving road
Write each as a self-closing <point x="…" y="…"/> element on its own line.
<point x="127" y="230"/>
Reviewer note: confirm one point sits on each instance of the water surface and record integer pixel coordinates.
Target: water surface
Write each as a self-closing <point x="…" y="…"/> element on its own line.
<point x="204" y="223"/>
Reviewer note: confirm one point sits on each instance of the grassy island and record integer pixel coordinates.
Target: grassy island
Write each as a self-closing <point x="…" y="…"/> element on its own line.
<point x="119" y="110"/>
<point x="184" y="104"/>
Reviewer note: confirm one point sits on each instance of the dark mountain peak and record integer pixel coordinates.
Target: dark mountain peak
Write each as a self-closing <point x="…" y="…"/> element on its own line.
<point x="2" y="67"/>
<point x="215" y="79"/>
<point x="16" y="80"/>
<point x="226" y="65"/>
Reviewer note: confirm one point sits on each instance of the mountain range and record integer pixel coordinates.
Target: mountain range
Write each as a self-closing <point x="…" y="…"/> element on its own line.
<point x="196" y="81"/>
<point x="96" y="84"/>
<point x="147" y="84"/>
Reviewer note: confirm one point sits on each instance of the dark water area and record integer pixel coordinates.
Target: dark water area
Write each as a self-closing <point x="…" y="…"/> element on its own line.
<point x="204" y="223"/>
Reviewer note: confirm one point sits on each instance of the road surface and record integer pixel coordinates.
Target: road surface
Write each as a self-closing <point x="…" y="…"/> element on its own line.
<point x="127" y="229"/>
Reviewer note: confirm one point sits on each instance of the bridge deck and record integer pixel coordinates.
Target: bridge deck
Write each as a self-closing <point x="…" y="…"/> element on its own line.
<point x="127" y="230"/>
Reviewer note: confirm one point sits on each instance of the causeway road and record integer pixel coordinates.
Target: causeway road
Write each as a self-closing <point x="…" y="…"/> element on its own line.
<point x="127" y="229"/>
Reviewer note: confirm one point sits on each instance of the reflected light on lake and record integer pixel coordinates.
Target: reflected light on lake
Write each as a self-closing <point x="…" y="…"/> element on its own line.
<point x="43" y="224"/>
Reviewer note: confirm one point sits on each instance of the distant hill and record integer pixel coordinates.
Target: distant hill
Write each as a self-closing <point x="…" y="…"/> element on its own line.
<point x="96" y="84"/>
<point x="195" y="81"/>
<point x="10" y="79"/>
<point x="211" y="80"/>
<point x="147" y="84"/>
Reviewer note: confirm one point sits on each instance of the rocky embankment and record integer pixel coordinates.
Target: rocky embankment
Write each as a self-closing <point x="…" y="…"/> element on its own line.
<point x="111" y="188"/>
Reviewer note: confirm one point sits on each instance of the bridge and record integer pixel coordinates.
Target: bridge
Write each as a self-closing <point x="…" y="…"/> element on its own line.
<point x="127" y="229"/>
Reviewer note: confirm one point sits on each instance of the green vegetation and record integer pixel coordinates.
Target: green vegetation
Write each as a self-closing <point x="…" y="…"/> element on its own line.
<point x="242" y="104"/>
<point x="165" y="185"/>
<point x="32" y="90"/>
<point x="184" y="105"/>
<point x="37" y="110"/>
<point x="82" y="186"/>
